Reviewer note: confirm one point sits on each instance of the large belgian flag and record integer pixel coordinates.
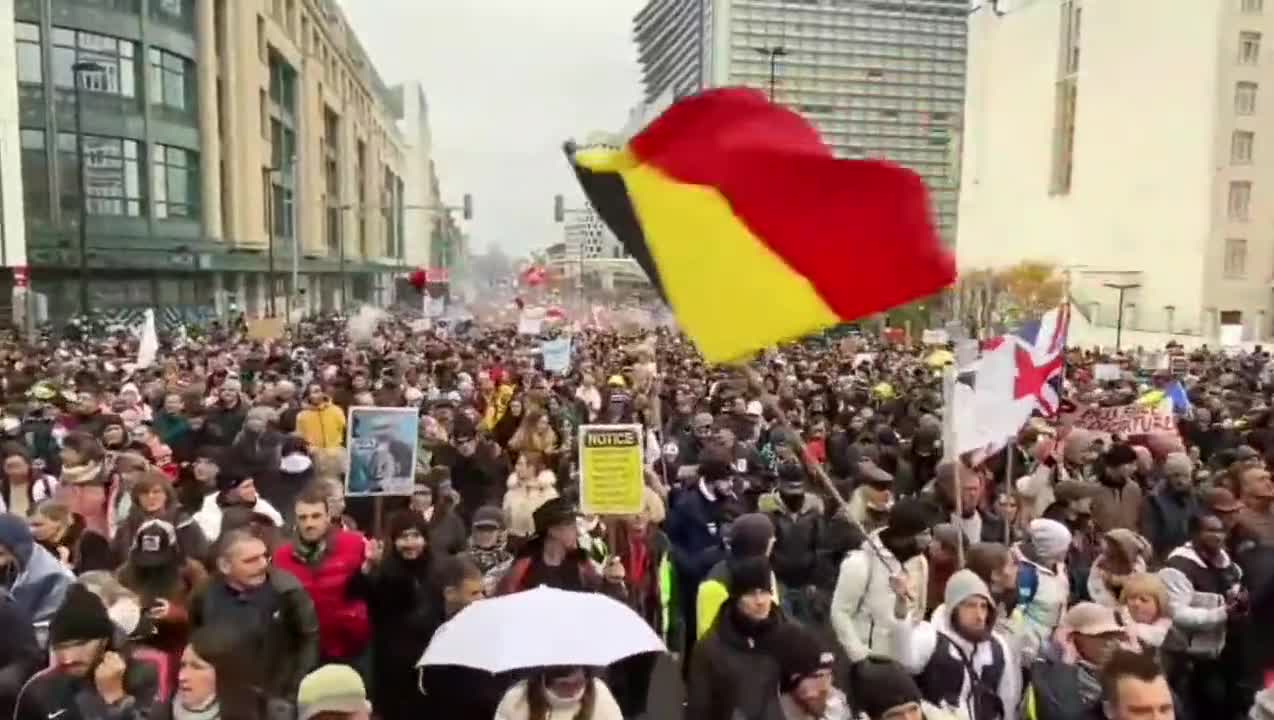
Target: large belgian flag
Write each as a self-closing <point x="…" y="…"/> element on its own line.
<point x="753" y="231"/>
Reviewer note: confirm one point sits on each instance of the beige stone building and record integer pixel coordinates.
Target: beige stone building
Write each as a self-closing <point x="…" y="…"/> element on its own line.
<point x="213" y="130"/>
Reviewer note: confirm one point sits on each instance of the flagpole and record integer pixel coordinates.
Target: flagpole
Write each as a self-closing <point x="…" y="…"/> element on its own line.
<point x="1010" y="449"/>
<point x="949" y="453"/>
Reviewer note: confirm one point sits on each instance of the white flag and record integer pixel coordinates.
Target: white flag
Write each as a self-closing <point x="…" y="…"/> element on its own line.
<point x="149" y="345"/>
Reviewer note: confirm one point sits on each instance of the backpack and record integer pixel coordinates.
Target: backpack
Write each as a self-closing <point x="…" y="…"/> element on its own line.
<point x="1028" y="583"/>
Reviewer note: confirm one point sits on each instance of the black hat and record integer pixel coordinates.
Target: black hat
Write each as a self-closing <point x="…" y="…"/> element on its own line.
<point x="908" y="516"/>
<point x="81" y="617"/>
<point x="489" y="517"/>
<point x="750" y="535"/>
<point x="555" y="512"/>
<point x="1120" y="454"/>
<point x="879" y="685"/>
<point x="800" y="653"/>
<point x="791" y="478"/>
<point x="154" y="545"/>
<point x="749" y="574"/>
<point x="462" y="429"/>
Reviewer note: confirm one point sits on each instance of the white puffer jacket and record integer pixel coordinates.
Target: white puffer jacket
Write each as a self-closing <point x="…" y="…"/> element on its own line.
<point x="523" y="498"/>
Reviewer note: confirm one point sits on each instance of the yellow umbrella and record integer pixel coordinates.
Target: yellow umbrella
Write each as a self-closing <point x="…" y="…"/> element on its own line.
<point x="939" y="358"/>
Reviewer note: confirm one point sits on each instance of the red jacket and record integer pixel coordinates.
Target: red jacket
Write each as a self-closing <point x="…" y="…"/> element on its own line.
<point x="344" y="629"/>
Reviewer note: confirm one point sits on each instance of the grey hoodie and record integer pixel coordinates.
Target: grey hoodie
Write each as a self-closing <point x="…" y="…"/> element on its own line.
<point x="41" y="580"/>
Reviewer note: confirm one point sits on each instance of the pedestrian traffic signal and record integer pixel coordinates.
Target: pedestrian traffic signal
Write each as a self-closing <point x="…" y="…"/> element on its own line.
<point x="559" y="208"/>
<point x="468" y="206"/>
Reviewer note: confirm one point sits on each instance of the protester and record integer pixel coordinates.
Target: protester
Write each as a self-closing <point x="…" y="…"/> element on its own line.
<point x="1134" y="687"/>
<point x="1146" y="609"/>
<point x="530" y="486"/>
<point x="1167" y="510"/>
<point x="35" y="579"/>
<point x="268" y="608"/>
<point x="733" y="667"/>
<point x="20" y="654"/>
<point x="232" y="491"/>
<point x="405" y="606"/>
<point x="65" y="536"/>
<point x="751" y="536"/>
<point x="962" y="663"/>
<point x="93" y="673"/>
<point x="560" y="693"/>
<point x="1043" y="583"/>
<point x="1065" y="678"/>
<point x="553" y="556"/>
<point x="863" y="607"/>
<point x="333" y="691"/>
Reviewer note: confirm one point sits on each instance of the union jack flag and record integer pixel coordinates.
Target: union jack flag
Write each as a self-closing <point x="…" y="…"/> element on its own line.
<point x="1041" y="355"/>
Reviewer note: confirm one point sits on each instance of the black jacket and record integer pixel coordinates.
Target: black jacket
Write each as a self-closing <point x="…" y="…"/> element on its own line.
<point x="280" y="630"/>
<point x="797" y="544"/>
<point x="1165" y="518"/>
<point x="52" y="694"/>
<point x="729" y="672"/>
<point x="20" y="655"/>
<point x="405" y="609"/>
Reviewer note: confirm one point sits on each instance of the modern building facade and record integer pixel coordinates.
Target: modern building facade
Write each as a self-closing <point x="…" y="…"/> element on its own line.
<point x="218" y="138"/>
<point x="1078" y="152"/>
<point x="879" y="78"/>
<point x="421" y="202"/>
<point x="13" y="247"/>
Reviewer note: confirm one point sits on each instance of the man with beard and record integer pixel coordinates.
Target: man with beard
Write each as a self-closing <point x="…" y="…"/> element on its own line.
<point x="1118" y="502"/>
<point x="867" y="589"/>
<point x="958" y="660"/>
<point x="805" y="689"/>
<point x="1165" y="516"/>
<point x="92" y="674"/>
<point x="478" y="470"/>
<point x="696" y="527"/>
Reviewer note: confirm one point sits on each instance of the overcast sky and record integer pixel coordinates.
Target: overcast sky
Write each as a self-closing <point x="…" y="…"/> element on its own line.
<point x="507" y="81"/>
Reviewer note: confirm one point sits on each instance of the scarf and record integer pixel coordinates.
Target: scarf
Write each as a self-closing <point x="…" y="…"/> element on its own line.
<point x="488" y="558"/>
<point x="86" y="474"/>
<point x="309" y="554"/>
<point x="211" y="712"/>
<point x="638" y="564"/>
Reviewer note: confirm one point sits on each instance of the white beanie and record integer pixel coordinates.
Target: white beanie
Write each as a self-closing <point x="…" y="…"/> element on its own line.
<point x="1050" y="538"/>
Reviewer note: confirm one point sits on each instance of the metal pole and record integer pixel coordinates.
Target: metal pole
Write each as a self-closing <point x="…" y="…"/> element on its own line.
<point x="1119" y="322"/>
<point x="340" y="239"/>
<point x="269" y="228"/>
<point x="949" y="445"/>
<point x="294" y="292"/>
<point x="83" y="208"/>
<point x="774" y="58"/>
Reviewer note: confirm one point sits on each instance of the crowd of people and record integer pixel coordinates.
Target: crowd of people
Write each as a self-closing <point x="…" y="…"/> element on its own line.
<point x="176" y="540"/>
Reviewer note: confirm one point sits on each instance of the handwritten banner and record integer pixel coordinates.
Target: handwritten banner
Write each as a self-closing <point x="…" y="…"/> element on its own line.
<point x="1128" y="420"/>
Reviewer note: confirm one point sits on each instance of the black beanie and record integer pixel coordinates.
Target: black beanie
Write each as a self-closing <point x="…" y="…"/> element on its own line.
<point x="800" y="653"/>
<point x="908" y="516"/>
<point x="81" y="617"/>
<point x="879" y="685"/>
<point x="748" y="574"/>
<point x="750" y="535"/>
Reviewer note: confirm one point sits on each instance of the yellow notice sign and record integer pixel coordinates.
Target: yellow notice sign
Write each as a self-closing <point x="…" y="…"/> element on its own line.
<point x="610" y="461"/>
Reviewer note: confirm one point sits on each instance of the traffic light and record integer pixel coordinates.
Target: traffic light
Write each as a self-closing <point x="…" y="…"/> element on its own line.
<point x="559" y="208"/>
<point x="468" y="206"/>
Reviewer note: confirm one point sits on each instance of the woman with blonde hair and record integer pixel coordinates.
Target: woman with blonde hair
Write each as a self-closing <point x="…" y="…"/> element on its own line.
<point x="535" y="434"/>
<point x="64" y="534"/>
<point x="1144" y="608"/>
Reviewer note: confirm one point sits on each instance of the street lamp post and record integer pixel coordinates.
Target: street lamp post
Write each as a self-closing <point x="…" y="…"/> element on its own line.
<point x="77" y="70"/>
<point x="1119" y="321"/>
<point x="774" y="52"/>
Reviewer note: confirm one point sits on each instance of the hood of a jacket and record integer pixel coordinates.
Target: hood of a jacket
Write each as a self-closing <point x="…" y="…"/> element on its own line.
<point x="16" y="536"/>
<point x="544" y="480"/>
<point x="1188" y="552"/>
<point x="963" y="585"/>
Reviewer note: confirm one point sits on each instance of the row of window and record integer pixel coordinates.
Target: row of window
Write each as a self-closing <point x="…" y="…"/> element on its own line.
<point x="114" y="179"/>
<point x="953" y="39"/>
<point x="171" y="79"/>
<point x="823" y="19"/>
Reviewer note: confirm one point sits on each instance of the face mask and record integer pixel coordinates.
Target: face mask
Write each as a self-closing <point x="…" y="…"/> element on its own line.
<point x="8" y="574"/>
<point x="793" y="501"/>
<point x="559" y="703"/>
<point x="126" y="614"/>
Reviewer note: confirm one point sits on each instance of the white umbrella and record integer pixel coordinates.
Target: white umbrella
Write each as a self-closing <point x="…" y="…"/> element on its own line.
<point x="538" y="628"/>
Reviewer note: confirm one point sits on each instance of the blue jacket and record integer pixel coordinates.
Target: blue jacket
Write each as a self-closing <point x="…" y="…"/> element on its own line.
<point x="695" y="526"/>
<point x="40" y="580"/>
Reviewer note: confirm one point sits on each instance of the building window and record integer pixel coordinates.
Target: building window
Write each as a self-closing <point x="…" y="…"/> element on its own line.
<point x="1066" y="93"/>
<point x="171" y="80"/>
<point x="1235" y="257"/>
<point x="1253" y="6"/>
<point x="1241" y="147"/>
<point x="1249" y="47"/>
<point x="30" y="62"/>
<point x="118" y="59"/>
<point x="174" y="182"/>
<point x="35" y="173"/>
<point x="1240" y="202"/>
<point x="282" y="83"/>
<point x="112" y="175"/>
<point x="282" y="144"/>
<point x="281" y="205"/>
<point x="1245" y="98"/>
